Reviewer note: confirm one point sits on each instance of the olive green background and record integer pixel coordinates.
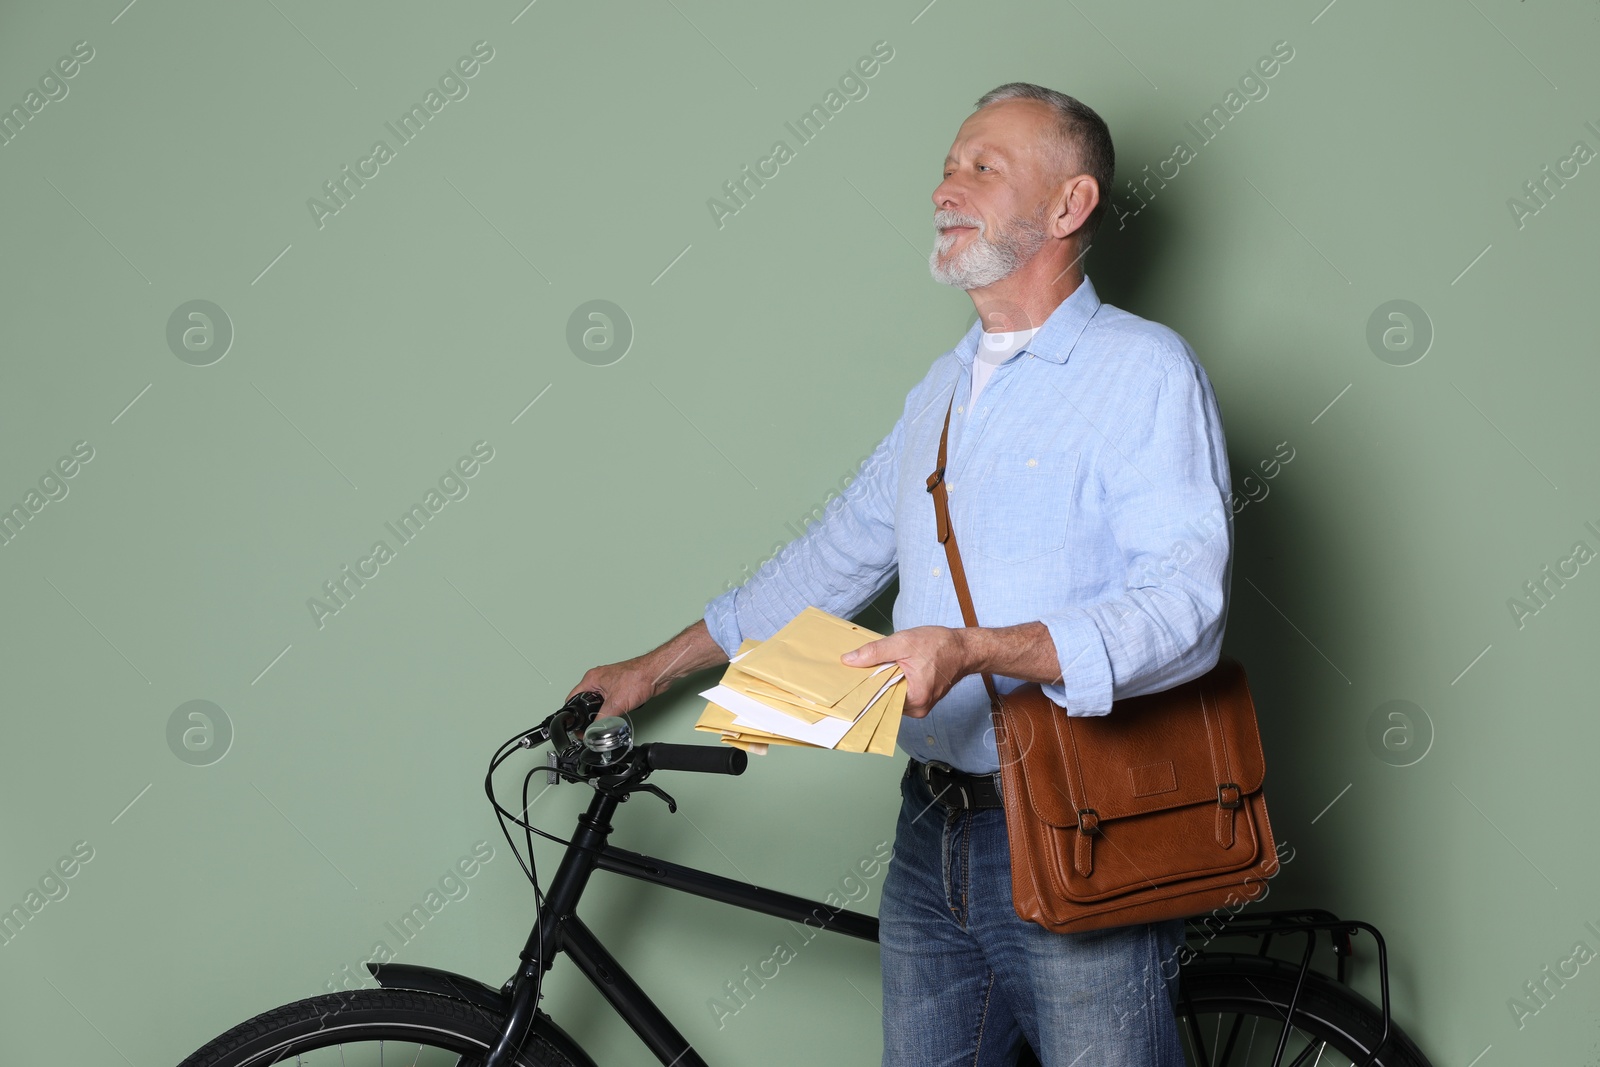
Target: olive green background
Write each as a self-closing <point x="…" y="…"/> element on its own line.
<point x="768" y="357"/>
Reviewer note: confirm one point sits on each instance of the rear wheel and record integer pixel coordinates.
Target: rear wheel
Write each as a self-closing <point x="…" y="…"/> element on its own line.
<point x="381" y="1028"/>
<point x="1231" y="1010"/>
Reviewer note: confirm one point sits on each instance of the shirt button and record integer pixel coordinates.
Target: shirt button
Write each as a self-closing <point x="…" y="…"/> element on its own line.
<point x="936" y="572"/>
<point x="960" y="408"/>
<point x="930" y="740"/>
<point x="1033" y="463"/>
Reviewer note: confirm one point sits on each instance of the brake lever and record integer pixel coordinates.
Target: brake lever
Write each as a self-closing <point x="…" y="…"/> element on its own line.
<point x="629" y="780"/>
<point x="672" y="805"/>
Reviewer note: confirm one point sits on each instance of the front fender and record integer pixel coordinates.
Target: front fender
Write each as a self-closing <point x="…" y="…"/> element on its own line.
<point x="444" y="983"/>
<point x="460" y="987"/>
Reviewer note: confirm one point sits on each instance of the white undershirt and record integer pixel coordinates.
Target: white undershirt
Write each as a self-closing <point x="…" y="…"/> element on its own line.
<point x="993" y="350"/>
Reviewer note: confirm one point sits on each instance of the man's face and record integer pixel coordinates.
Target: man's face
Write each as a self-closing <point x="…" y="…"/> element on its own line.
<point x="989" y="209"/>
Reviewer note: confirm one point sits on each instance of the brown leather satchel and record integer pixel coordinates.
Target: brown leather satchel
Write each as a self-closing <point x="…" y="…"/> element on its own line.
<point x="1150" y="812"/>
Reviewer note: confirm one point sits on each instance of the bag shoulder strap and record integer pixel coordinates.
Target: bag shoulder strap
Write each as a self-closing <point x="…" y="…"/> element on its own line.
<point x="947" y="535"/>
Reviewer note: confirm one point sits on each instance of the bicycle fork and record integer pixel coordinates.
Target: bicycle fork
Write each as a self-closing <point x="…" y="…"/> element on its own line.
<point x="560" y="930"/>
<point x="538" y="955"/>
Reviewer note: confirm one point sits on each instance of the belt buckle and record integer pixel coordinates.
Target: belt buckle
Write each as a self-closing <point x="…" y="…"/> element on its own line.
<point x="945" y="768"/>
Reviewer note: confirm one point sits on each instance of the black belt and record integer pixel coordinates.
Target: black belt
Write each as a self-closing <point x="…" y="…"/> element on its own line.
<point x="958" y="790"/>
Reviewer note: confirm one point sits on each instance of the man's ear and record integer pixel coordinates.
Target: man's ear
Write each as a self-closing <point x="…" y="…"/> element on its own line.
<point x="1075" y="201"/>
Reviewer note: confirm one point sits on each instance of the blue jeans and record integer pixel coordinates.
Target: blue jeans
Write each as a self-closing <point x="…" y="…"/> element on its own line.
<point x="966" y="980"/>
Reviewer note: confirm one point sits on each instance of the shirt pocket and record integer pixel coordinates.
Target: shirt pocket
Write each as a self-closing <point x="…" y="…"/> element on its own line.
<point x="1022" y="502"/>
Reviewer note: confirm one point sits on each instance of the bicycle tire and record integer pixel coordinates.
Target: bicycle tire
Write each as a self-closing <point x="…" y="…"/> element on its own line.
<point x="404" y="1016"/>
<point x="1236" y="984"/>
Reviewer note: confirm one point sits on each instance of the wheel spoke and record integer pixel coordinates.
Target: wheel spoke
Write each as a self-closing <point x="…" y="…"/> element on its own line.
<point x="1197" y="1043"/>
<point x="1233" y="1039"/>
<point x="1234" y="1045"/>
<point x="1311" y="1044"/>
<point x="1331" y="1025"/>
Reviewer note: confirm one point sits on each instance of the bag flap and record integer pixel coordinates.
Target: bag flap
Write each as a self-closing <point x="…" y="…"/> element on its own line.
<point x="1149" y="753"/>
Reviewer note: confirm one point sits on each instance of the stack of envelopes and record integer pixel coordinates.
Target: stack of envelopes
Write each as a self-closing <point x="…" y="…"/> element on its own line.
<point x="791" y="689"/>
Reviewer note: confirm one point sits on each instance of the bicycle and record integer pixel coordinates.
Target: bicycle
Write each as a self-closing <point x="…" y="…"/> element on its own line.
<point x="1230" y="1003"/>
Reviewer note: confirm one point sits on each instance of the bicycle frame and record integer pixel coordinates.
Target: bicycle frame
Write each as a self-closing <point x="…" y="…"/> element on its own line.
<point x="560" y="931"/>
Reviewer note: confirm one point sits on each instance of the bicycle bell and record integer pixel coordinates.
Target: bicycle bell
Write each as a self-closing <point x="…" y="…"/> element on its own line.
<point x="608" y="740"/>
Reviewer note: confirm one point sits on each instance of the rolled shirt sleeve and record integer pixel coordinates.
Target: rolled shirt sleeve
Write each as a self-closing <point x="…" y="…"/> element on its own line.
<point x="839" y="564"/>
<point x="1167" y="491"/>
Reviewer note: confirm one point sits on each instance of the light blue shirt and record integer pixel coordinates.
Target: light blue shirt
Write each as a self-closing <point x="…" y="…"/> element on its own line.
<point x="1088" y="490"/>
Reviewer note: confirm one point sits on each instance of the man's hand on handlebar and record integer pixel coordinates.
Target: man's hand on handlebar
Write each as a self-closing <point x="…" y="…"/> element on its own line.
<point x="625" y="685"/>
<point x="628" y="684"/>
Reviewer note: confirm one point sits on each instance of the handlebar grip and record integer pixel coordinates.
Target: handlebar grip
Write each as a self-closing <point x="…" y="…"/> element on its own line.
<point x="705" y="759"/>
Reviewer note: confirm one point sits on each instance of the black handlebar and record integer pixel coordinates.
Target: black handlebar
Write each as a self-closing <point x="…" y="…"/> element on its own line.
<point x="565" y="730"/>
<point x="705" y="759"/>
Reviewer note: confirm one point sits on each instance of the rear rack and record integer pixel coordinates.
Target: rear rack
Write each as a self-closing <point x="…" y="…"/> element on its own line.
<point x="1307" y="921"/>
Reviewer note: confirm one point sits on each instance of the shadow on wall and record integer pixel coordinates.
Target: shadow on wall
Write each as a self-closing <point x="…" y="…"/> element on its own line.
<point x="879" y="614"/>
<point x="1133" y="268"/>
<point x="1273" y="538"/>
<point x="1125" y="262"/>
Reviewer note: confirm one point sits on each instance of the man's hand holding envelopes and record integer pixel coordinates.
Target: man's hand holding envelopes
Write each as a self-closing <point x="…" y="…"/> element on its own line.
<point x="795" y="689"/>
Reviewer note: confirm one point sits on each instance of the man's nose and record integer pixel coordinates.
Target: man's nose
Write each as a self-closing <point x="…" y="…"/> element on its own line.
<point x="947" y="195"/>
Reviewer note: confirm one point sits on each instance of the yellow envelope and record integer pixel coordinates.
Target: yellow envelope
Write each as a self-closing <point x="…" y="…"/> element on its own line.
<point x="771" y="695"/>
<point x="802" y="658"/>
<point x="860" y="735"/>
<point x="849" y="707"/>
<point x="755" y="738"/>
<point x="719" y="720"/>
<point x="875" y="731"/>
<point x="762" y="740"/>
<point x="888" y="731"/>
<point x="883" y="719"/>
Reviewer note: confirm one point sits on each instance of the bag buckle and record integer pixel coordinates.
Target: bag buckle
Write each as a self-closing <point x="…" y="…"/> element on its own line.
<point x="1088" y="821"/>
<point x="1229" y="796"/>
<point x="935" y="478"/>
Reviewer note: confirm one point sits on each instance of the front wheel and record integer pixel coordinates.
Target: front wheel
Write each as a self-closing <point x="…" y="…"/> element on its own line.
<point x="381" y="1028"/>
<point x="1231" y="1010"/>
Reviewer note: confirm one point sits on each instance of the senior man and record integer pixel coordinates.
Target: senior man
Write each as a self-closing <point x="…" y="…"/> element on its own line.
<point x="1088" y="487"/>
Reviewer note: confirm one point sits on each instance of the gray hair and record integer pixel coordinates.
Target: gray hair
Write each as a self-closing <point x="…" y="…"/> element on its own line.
<point x="1081" y="139"/>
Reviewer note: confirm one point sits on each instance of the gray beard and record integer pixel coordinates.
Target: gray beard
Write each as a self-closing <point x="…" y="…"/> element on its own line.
<point x="984" y="262"/>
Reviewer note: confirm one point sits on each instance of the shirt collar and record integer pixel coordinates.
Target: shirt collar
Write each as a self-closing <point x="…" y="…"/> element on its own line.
<point x="1058" y="335"/>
